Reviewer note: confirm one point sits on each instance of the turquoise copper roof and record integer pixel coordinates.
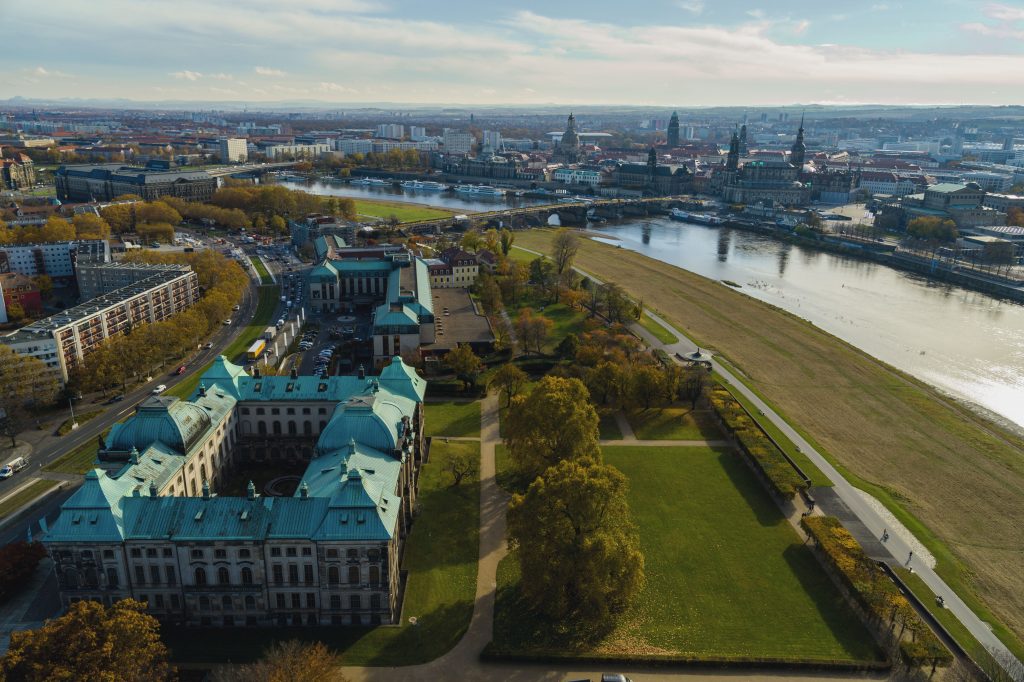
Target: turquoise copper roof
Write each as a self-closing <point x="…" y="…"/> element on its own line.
<point x="373" y="419"/>
<point x="92" y="514"/>
<point x="177" y="424"/>
<point x="401" y="379"/>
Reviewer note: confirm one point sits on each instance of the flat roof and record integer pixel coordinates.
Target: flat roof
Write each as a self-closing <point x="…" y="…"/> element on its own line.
<point x="460" y="324"/>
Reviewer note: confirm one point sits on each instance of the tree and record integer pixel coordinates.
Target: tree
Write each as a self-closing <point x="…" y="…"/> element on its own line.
<point x="646" y="385"/>
<point x="607" y="382"/>
<point x="471" y="240"/>
<point x="56" y="229"/>
<point x="278" y="224"/>
<point x="555" y="421"/>
<point x="565" y="245"/>
<point x="91" y="642"/>
<point x="26" y="384"/>
<point x="578" y="549"/>
<point x="120" y="217"/>
<point x="45" y="285"/>
<point x="489" y="293"/>
<point x="460" y="465"/>
<point x="156" y="212"/>
<point x="568" y="346"/>
<point x="290" y="661"/>
<point x="509" y="379"/>
<point x="15" y="312"/>
<point x="91" y="226"/>
<point x="507" y="239"/>
<point x="616" y="306"/>
<point x="693" y="385"/>
<point x="464" y="363"/>
<point x="544" y="277"/>
<point x="532" y="330"/>
<point x="932" y="228"/>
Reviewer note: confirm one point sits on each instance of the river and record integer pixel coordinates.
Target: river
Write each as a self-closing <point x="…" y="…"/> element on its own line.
<point x="967" y="344"/>
<point x="450" y="200"/>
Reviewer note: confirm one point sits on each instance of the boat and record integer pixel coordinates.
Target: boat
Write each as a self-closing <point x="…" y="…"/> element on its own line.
<point x="423" y="186"/>
<point x="370" y="182"/>
<point x="699" y="218"/>
<point x="480" y="190"/>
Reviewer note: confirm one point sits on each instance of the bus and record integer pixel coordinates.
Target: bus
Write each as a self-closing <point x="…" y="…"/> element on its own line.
<point x="253" y="354"/>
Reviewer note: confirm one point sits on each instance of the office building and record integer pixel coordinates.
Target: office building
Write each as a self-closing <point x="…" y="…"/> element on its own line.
<point x="233" y="149"/>
<point x="492" y="140"/>
<point x="103" y="182"/>
<point x="296" y="151"/>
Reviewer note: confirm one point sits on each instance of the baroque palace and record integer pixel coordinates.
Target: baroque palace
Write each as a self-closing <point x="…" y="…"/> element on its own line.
<point x="148" y="523"/>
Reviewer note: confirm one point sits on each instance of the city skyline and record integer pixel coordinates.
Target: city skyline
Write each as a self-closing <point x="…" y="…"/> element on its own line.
<point x="674" y="53"/>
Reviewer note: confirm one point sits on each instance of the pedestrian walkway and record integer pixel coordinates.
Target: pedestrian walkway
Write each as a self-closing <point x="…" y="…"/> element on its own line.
<point x="625" y="428"/>
<point x="668" y="443"/>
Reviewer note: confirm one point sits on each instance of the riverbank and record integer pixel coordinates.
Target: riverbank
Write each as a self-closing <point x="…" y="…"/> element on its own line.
<point x="950" y="475"/>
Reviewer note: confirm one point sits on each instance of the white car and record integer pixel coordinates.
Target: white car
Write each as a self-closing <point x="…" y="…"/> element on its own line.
<point x="227" y="322"/>
<point x="6" y="472"/>
<point x="159" y="389"/>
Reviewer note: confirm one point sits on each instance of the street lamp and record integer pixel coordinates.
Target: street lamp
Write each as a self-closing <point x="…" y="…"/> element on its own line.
<point x="74" y="423"/>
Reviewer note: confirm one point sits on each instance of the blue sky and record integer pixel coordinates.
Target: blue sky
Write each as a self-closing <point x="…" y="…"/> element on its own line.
<point x="657" y="52"/>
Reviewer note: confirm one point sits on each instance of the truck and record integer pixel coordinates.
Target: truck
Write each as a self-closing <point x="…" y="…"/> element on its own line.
<point x="255" y="350"/>
<point x="268" y="334"/>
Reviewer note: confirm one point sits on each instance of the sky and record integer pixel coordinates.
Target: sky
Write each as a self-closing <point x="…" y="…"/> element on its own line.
<point x="649" y="52"/>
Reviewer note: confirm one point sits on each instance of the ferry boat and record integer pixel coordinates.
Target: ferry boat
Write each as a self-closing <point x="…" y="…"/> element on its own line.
<point x="480" y="190"/>
<point x="424" y="186"/>
<point x="371" y="182"/>
<point x="699" y="218"/>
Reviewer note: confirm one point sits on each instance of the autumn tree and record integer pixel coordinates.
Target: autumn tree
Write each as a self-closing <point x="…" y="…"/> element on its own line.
<point x="471" y="240"/>
<point x="278" y="224"/>
<point x="564" y="247"/>
<point x="510" y="380"/>
<point x="289" y="661"/>
<point x="91" y="642"/>
<point x="507" y="238"/>
<point x="578" y="548"/>
<point x="156" y="212"/>
<point x="489" y="292"/>
<point x="544" y="277"/>
<point x="56" y="229"/>
<point x="647" y="385"/>
<point x="533" y="330"/>
<point x="45" y="285"/>
<point x="91" y="226"/>
<point x="120" y="217"/>
<point x="464" y="363"/>
<point x="932" y="228"/>
<point x="460" y="465"/>
<point x="26" y="385"/>
<point x="555" y="421"/>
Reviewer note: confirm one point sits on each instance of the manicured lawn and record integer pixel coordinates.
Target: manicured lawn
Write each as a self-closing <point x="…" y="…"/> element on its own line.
<point x="452" y="419"/>
<point x="81" y="418"/>
<point x="659" y="332"/>
<point x="24" y="496"/>
<point x="261" y="269"/>
<point x="441" y="558"/>
<point x="521" y="256"/>
<point x="727" y="576"/>
<point x="672" y="423"/>
<point x="406" y="213"/>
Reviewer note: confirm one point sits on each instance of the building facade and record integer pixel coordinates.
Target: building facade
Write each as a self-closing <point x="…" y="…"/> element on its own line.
<point x="233" y="149"/>
<point x="105" y="181"/>
<point x="149" y="525"/>
<point x="19" y="290"/>
<point x="17" y="172"/>
<point x="457" y="141"/>
<point x="55" y="259"/>
<point x="63" y="340"/>
<point x="94" y="280"/>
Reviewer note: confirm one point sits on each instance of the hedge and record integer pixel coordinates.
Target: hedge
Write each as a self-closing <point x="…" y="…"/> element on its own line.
<point x="874" y="592"/>
<point x="756" y="445"/>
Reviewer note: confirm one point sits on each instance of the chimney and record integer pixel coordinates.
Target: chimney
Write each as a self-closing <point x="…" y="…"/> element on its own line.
<point x="152" y="489"/>
<point x="133" y="456"/>
<point x="304" y="491"/>
<point x="362" y="372"/>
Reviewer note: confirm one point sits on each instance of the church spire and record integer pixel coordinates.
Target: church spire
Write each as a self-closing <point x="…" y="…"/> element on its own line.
<point x="799" y="150"/>
<point x="732" y="162"/>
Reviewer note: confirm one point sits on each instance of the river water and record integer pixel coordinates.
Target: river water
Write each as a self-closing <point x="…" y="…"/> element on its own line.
<point x="966" y="343"/>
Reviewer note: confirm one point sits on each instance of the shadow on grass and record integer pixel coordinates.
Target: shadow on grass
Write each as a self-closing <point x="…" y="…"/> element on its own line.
<point x="752" y="490"/>
<point x="833" y="608"/>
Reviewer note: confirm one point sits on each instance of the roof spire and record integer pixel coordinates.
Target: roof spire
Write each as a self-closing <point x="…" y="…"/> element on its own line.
<point x="133" y="456"/>
<point x="304" y="491"/>
<point x="152" y="489"/>
<point x="206" y="489"/>
<point x="250" y="491"/>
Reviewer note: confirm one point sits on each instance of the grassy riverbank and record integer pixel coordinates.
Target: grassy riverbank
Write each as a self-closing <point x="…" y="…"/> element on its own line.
<point x="405" y="212"/>
<point x="938" y="465"/>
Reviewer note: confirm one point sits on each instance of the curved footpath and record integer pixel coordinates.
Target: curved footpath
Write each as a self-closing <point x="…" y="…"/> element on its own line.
<point x="463" y="662"/>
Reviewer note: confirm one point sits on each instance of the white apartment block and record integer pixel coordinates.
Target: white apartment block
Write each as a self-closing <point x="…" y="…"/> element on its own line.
<point x="56" y="259"/>
<point x="417" y="133"/>
<point x="457" y="141"/>
<point x="353" y="146"/>
<point x="233" y="149"/>
<point x="394" y="131"/>
<point x="305" y="151"/>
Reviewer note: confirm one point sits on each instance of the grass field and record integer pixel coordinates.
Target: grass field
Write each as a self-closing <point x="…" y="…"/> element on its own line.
<point x="659" y="332"/>
<point x="78" y="461"/>
<point x="727" y="576"/>
<point x="261" y="270"/>
<point x="452" y="419"/>
<point x="674" y="422"/>
<point x="951" y="476"/>
<point x="406" y="213"/>
<point x="81" y="418"/>
<point x="441" y="558"/>
<point x="24" y="496"/>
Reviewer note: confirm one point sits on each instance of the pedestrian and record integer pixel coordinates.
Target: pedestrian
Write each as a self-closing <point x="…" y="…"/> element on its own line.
<point x="885" y="535"/>
<point x="910" y="556"/>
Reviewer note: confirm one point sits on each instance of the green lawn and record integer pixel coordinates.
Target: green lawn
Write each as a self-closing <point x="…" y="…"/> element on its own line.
<point x="727" y="576"/>
<point x="81" y="418"/>
<point x="24" y="496"/>
<point x="441" y="559"/>
<point x="659" y="332"/>
<point x="261" y="270"/>
<point x="79" y="461"/>
<point x="522" y="256"/>
<point x="406" y="213"/>
<point x="452" y="419"/>
<point x="672" y="423"/>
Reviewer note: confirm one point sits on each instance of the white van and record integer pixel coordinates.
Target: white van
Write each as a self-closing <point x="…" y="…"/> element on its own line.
<point x="13" y="467"/>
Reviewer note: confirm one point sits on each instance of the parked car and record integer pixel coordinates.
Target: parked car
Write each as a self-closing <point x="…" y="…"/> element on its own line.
<point x="227" y="322"/>
<point x="116" y="399"/>
<point x="159" y="389"/>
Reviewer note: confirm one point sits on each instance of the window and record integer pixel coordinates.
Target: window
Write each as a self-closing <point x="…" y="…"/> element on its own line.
<point x="280" y="601"/>
<point x="159" y="601"/>
<point x="225" y="602"/>
<point x="296" y="600"/>
<point x="374" y="601"/>
<point x="321" y="410"/>
<point x="275" y="551"/>
<point x="275" y="410"/>
<point x="250" y="601"/>
<point x="174" y="601"/>
<point x="136" y="553"/>
<point x="150" y="552"/>
<point x="245" y="410"/>
<point x="108" y="554"/>
<point x="247" y="576"/>
<point x="353" y="574"/>
<point x="204" y="603"/>
<point x="260" y="410"/>
<point x="244" y="554"/>
<point x="306" y="410"/>
<point x="291" y="551"/>
<point x="220" y="554"/>
<point x="332" y="554"/>
<point x="335" y="601"/>
<point x="290" y="410"/>
<point x="332" y="575"/>
<point x="197" y="554"/>
<point x="375" y="575"/>
<point x="307" y="551"/>
<point x="112" y="579"/>
<point x="140" y="575"/>
<point x="154" y="574"/>
<point x="373" y="554"/>
<point x="293" y="573"/>
<point x="352" y="554"/>
<point x="278" y="574"/>
<point x="307" y="573"/>
<point x="310" y="600"/>
<point x="223" y="577"/>
<point x="168" y="552"/>
<point x="200" y="576"/>
<point x="354" y="603"/>
<point x="171" y="579"/>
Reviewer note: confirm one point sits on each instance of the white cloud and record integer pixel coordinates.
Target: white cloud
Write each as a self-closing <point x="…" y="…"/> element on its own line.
<point x="335" y="88"/>
<point x="994" y="31"/>
<point x="187" y="75"/>
<point x="43" y="72"/>
<point x="221" y="76"/>
<point x="1004" y="12"/>
<point x="267" y="71"/>
<point x="801" y="26"/>
<point x="692" y="6"/>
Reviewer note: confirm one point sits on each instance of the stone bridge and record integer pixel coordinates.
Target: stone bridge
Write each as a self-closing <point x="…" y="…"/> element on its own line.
<point x="569" y="213"/>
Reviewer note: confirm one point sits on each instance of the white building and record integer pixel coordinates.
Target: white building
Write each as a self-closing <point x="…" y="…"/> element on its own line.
<point x="492" y="139"/>
<point x="883" y="182"/>
<point x="394" y="131"/>
<point x="56" y="259"/>
<point x="417" y="133"/>
<point x="305" y="151"/>
<point x="457" y="141"/>
<point x="233" y="149"/>
<point x="577" y="176"/>
<point x="354" y="146"/>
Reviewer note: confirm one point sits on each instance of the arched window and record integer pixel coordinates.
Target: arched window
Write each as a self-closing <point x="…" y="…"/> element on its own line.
<point x="353" y="574"/>
<point x="374" y="575"/>
<point x="277" y="428"/>
<point x="247" y="576"/>
<point x="112" y="579"/>
<point x="292" y="429"/>
<point x="223" y="577"/>
<point x="200" y="576"/>
<point x="262" y="428"/>
<point x="225" y="601"/>
<point x="323" y="425"/>
<point x="307" y="428"/>
<point x="333" y="577"/>
<point x="250" y="601"/>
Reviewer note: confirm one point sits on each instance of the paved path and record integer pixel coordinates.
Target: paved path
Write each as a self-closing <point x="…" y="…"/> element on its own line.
<point x="625" y="428"/>
<point x="896" y="548"/>
<point x="669" y="443"/>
